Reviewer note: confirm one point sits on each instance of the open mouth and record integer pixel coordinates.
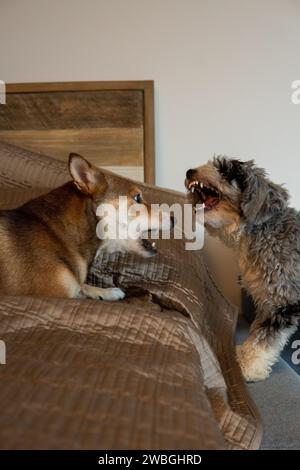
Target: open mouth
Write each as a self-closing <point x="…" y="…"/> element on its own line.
<point x="203" y="193"/>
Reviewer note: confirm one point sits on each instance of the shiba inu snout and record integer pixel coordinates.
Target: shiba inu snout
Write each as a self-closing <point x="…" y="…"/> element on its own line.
<point x="125" y="220"/>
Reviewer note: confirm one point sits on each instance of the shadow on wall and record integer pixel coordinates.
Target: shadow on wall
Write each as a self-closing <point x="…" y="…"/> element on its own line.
<point x="223" y="264"/>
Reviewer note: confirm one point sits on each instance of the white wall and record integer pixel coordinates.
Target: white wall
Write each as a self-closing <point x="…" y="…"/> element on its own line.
<point x="222" y="69"/>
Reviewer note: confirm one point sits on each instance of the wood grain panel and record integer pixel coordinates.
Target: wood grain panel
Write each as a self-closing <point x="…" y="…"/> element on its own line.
<point x="118" y="146"/>
<point x="72" y="110"/>
<point x="133" y="172"/>
<point x="111" y="123"/>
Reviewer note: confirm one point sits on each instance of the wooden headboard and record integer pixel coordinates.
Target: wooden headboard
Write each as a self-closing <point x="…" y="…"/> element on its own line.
<point x="109" y="123"/>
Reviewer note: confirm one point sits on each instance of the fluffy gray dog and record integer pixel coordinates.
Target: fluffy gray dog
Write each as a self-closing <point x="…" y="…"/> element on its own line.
<point x="245" y="209"/>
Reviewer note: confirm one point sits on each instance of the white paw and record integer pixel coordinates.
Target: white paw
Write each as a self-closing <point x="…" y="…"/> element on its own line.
<point x="113" y="293"/>
<point x="254" y="366"/>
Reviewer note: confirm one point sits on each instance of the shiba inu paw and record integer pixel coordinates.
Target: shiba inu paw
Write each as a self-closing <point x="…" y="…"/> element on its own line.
<point x="255" y="367"/>
<point x="93" y="292"/>
<point x="112" y="294"/>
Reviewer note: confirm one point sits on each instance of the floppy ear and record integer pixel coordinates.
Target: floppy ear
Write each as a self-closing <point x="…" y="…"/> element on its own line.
<point x="231" y="170"/>
<point x="87" y="178"/>
<point x="261" y="199"/>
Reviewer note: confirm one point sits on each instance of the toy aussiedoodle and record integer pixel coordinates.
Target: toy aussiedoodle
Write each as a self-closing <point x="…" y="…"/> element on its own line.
<point x="245" y="209"/>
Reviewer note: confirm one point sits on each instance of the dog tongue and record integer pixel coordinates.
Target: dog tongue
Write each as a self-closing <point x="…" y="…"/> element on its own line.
<point x="211" y="201"/>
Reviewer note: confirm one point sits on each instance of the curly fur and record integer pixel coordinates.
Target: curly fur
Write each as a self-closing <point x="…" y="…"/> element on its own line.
<point x="254" y="215"/>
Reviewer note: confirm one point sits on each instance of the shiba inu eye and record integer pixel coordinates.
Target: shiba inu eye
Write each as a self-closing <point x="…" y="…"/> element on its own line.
<point x="138" y="198"/>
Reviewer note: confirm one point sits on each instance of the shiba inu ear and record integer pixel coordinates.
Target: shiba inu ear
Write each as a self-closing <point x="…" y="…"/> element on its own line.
<point x="88" y="179"/>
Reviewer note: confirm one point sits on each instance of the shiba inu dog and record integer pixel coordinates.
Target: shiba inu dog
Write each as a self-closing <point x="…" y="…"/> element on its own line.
<point x="48" y="244"/>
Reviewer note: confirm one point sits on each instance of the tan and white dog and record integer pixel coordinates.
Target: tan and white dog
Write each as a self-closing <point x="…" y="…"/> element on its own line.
<point x="48" y="244"/>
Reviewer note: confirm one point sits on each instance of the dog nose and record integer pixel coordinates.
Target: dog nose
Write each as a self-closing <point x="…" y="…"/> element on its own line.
<point x="190" y="173"/>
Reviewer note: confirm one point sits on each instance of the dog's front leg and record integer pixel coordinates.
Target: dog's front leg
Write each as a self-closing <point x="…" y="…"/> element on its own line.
<point x="93" y="292"/>
<point x="262" y="348"/>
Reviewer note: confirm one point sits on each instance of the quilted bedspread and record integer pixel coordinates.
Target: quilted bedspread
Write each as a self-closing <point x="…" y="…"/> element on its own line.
<point x="155" y="371"/>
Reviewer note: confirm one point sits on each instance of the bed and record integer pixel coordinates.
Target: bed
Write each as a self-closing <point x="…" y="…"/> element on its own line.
<point x="155" y="371"/>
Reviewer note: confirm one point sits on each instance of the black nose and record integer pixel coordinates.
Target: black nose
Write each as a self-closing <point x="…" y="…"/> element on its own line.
<point x="190" y="173"/>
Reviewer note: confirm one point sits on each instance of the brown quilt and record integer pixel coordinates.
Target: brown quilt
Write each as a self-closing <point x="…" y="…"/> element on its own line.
<point x="155" y="371"/>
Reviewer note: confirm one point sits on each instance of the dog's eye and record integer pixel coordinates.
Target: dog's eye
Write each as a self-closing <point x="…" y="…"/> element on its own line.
<point x="138" y="198"/>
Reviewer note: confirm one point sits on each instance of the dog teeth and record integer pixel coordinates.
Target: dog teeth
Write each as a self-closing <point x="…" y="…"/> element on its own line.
<point x="193" y="186"/>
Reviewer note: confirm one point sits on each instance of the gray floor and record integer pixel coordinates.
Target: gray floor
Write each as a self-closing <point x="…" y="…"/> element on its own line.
<point x="278" y="400"/>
